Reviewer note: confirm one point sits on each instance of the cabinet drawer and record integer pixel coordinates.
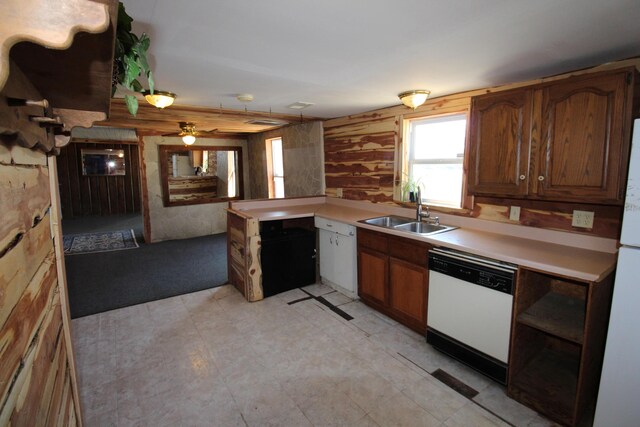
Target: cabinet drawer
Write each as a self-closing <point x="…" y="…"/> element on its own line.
<point x="409" y="250"/>
<point x="335" y="226"/>
<point x="373" y="240"/>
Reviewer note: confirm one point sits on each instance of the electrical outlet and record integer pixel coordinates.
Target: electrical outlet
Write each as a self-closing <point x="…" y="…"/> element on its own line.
<point x="582" y="219"/>
<point x="514" y="213"/>
<point x="339" y="193"/>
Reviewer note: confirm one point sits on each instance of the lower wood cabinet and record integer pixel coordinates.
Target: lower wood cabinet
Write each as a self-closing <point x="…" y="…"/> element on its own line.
<point x="557" y="344"/>
<point x="408" y="291"/>
<point x="393" y="277"/>
<point x="373" y="270"/>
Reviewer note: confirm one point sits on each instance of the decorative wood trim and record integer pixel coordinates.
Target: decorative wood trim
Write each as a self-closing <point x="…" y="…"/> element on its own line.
<point x="146" y="217"/>
<point x="78" y="118"/>
<point x="56" y="215"/>
<point x="253" y="265"/>
<point x="151" y="121"/>
<point x="53" y="27"/>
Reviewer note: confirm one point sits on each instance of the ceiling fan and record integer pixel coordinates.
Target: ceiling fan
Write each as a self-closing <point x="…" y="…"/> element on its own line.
<point x="188" y="132"/>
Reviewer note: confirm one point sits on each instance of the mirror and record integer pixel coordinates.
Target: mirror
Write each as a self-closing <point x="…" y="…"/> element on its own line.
<point x="195" y="175"/>
<point x="102" y="161"/>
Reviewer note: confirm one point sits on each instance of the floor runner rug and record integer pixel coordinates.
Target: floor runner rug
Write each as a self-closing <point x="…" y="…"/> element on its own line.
<point x="75" y="244"/>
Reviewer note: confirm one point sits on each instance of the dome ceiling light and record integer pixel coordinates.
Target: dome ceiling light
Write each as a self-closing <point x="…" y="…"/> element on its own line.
<point x="414" y="98"/>
<point x="159" y="98"/>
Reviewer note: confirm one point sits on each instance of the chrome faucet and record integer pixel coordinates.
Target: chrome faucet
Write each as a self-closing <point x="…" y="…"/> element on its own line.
<point x="426" y="215"/>
<point x="419" y="213"/>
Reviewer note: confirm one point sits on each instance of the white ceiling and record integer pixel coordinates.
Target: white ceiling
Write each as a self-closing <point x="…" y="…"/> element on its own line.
<point x="350" y="56"/>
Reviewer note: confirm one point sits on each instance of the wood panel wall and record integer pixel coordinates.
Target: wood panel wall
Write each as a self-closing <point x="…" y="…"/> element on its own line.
<point x="360" y="157"/>
<point x="36" y="386"/>
<point x="82" y="195"/>
<point x="361" y="164"/>
<point x="243" y="247"/>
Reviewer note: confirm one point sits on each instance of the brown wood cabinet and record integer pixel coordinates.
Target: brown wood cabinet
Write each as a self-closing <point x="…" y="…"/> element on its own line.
<point x="500" y="141"/>
<point x="557" y="344"/>
<point x="566" y="140"/>
<point x="373" y="271"/>
<point x="393" y="277"/>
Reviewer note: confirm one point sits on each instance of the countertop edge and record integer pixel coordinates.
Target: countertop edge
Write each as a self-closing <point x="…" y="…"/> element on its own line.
<point x="352" y="216"/>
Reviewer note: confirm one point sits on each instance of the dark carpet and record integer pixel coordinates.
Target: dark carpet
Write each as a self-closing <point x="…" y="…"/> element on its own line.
<point x="109" y="280"/>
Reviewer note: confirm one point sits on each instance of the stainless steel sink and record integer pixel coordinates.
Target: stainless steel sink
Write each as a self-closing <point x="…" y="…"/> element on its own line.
<point x="408" y="225"/>
<point x="387" y="221"/>
<point x="423" y="228"/>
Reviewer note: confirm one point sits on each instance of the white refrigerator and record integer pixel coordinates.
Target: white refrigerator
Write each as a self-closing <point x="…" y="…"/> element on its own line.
<point x="619" y="396"/>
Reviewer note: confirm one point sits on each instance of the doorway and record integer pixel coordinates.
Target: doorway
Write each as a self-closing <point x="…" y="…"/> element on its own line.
<point x="99" y="186"/>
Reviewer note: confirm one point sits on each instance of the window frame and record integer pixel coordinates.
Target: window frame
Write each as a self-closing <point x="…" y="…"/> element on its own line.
<point x="406" y="150"/>
<point x="271" y="177"/>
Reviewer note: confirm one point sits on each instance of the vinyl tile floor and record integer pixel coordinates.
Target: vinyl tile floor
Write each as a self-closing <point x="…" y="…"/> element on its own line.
<point x="211" y="358"/>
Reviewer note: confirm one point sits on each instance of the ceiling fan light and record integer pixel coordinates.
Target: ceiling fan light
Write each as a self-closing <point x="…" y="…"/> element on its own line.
<point x="160" y="98"/>
<point x="188" y="139"/>
<point x="414" y="98"/>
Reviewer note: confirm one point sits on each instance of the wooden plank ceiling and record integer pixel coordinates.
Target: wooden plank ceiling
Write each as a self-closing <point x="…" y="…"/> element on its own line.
<point x="154" y="121"/>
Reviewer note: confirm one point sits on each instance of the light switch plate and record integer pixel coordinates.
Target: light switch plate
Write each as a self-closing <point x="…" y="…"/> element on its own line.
<point x="582" y="219"/>
<point x="514" y="213"/>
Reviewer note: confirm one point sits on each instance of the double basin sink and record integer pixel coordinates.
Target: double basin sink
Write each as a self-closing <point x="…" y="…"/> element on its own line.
<point x="407" y="224"/>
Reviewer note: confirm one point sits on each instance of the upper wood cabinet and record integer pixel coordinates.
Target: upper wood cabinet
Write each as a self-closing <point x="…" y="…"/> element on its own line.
<point x="583" y="131"/>
<point x="566" y="140"/>
<point x="500" y="141"/>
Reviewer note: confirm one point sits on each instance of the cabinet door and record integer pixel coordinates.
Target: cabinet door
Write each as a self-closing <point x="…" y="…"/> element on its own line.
<point x="372" y="276"/>
<point x="345" y="257"/>
<point x="500" y="143"/>
<point x="327" y="254"/>
<point x="581" y="151"/>
<point x="408" y="292"/>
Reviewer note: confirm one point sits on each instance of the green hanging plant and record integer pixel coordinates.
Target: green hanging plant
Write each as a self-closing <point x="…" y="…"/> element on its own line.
<point x="130" y="61"/>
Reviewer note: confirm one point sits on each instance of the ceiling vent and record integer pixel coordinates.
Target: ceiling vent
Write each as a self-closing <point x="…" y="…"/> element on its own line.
<point x="300" y="105"/>
<point x="267" y="122"/>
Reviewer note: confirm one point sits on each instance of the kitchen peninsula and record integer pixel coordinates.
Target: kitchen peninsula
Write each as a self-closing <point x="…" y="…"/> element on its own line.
<point x="560" y="300"/>
<point x="566" y="254"/>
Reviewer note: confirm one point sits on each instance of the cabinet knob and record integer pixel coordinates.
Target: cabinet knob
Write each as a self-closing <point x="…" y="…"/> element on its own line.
<point x="522" y="177"/>
<point x="541" y="178"/>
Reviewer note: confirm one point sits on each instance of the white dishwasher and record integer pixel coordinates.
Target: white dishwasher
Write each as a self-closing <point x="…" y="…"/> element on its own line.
<point x="469" y="309"/>
<point x="338" y="257"/>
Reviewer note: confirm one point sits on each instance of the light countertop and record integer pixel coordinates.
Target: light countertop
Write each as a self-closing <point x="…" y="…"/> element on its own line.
<point x="567" y="261"/>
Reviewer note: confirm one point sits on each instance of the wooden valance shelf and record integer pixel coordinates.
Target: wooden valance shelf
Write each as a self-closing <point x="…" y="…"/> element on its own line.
<point x="77" y="78"/>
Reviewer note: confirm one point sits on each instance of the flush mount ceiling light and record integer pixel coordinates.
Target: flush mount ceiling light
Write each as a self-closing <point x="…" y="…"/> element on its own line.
<point x="244" y="97"/>
<point x="300" y="105"/>
<point x="160" y="98"/>
<point x="414" y="98"/>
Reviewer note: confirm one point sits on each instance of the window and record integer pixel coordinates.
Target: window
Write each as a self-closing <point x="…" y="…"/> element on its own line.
<point x="275" y="168"/>
<point x="435" y="156"/>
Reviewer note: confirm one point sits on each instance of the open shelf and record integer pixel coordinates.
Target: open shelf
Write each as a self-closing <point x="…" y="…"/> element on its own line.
<point x="557" y="344"/>
<point x="558" y="315"/>
<point x="548" y="383"/>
